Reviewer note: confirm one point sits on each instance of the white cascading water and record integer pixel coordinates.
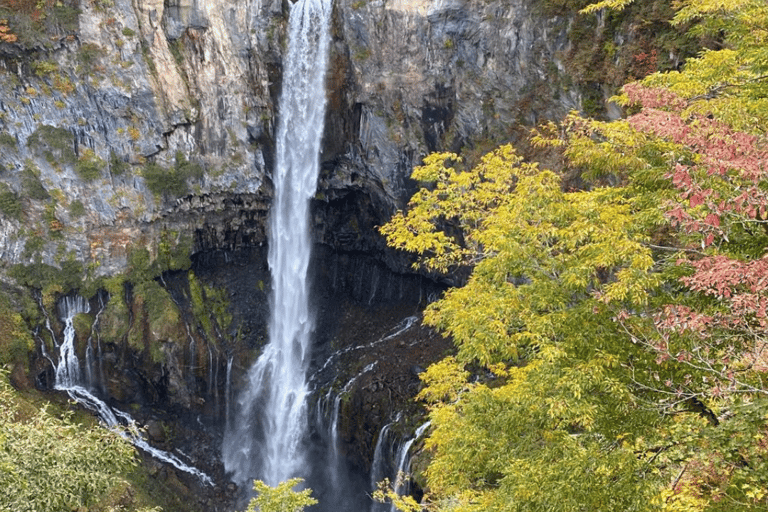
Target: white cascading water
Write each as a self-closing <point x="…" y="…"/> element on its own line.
<point x="69" y="379"/>
<point x="401" y="486"/>
<point x="382" y="455"/>
<point x="265" y="436"/>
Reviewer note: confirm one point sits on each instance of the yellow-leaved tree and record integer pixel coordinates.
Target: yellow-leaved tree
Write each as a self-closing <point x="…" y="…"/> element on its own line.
<point x="611" y="342"/>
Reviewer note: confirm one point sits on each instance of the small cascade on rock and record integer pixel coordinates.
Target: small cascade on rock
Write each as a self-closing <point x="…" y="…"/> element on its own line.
<point x="266" y="437"/>
<point x="374" y="284"/>
<point x="94" y="373"/>
<point x="335" y="397"/>
<point x="382" y="458"/>
<point x="69" y="379"/>
<point x="403" y="458"/>
<point x="399" y="329"/>
<point x="228" y="390"/>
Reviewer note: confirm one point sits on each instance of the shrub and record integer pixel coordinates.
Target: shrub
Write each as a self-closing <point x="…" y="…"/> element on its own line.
<point x="76" y="209"/>
<point x="54" y="464"/>
<point x="172" y="181"/>
<point x="89" y="166"/>
<point x="44" y="67"/>
<point x="36" y="23"/>
<point x="8" y="141"/>
<point x="30" y="180"/>
<point x="87" y="56"/>
<point x="40" y="275"/>
<point x="187" y="169"/>
<point x="53" y="143"/>
<point x="10" y="204"/>
<point x="15" y="340"/>
<point x="117" y="166"/>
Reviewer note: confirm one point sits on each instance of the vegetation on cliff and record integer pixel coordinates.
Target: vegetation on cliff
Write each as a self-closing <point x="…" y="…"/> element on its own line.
<point x="611" y="340"/>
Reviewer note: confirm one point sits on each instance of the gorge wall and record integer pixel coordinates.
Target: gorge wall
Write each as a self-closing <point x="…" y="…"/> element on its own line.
<point x="160" y="116"/>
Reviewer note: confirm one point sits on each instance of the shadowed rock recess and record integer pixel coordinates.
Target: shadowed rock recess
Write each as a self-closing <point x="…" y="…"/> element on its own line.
<point x="138" y="144"/>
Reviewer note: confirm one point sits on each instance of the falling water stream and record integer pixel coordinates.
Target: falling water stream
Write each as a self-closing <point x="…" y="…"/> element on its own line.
<point x="69" y="379"/>
<point x="265" y="437"/>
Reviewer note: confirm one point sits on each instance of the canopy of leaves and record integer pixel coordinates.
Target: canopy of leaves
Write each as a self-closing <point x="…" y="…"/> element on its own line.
<point x="50" y="464"/>
<point x="281" y="498"/>
<point x="611" y="341"/>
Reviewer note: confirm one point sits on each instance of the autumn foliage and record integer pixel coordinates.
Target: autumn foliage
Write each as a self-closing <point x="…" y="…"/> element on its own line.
<point x="612" y="342"/>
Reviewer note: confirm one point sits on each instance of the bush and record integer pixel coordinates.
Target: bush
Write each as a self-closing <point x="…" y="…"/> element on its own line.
<point x="187" y="169"/>
<point x="89" y="166"/>
<point x="10" y="204"/>
<point x="117" y="166"/>
<point x="15" y="340"/>
<point x="53" y="464"/>
<point x="30" y="180"/>
<point x="87" y="56"/>
<point x="44" y="67"/>
<point x="40" y="276"/>
<point x="36" y="23"/>
<point x="76" y="209"/>
<point x="172" y="181"/>
<point x="8" y="141"/>
<point x="55" y="144"/>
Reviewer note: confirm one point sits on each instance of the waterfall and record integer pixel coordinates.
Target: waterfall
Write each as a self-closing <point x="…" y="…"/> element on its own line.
<point x="382" y="456"/>
<point x="264" y="440"/>
<point x="68" y="369"/>
<point x="68" y="378"/>
<point x="401" y="486"/>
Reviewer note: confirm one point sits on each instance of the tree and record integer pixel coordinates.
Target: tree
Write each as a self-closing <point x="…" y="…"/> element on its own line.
<point x="535" y="315"/>
<point x="611" y="349"/>
<point x="281" y="498"/>
<point x="50" y="464"/>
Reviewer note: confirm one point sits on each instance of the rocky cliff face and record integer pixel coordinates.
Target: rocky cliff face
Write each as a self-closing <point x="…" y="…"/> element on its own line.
<point x="154" y="116"/>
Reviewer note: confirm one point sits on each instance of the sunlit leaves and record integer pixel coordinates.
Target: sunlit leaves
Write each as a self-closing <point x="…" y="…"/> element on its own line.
<point x="616" y="334"/>
<point x="729" y="82"/>
<point x="50" y="464"/>
<point x="451" y="206"/>
<point x="546" y="262"/>
<point x="606" y="4"/>
<point x="280" y="498"/>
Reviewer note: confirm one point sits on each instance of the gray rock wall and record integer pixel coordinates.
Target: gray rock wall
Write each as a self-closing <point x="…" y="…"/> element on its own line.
<point x="145" y="86"/>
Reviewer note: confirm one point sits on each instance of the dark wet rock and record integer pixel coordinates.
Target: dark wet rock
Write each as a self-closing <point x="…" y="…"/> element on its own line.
<point x="156" y="432"/>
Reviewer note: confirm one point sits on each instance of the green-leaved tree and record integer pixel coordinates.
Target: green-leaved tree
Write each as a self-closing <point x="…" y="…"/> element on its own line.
<point x="281" y="498"/>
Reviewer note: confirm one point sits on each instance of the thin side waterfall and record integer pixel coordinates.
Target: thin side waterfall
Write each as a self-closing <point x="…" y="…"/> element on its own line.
<point x="333" y="430"/>
<point x="402" y="486"/>
<point x="69" y="379"/>
<point x="380" y="466"/>
<point x="264" y="440"/>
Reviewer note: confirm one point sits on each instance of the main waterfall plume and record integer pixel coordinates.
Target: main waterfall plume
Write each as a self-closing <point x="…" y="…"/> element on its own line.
<point x="264" y="436"/>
